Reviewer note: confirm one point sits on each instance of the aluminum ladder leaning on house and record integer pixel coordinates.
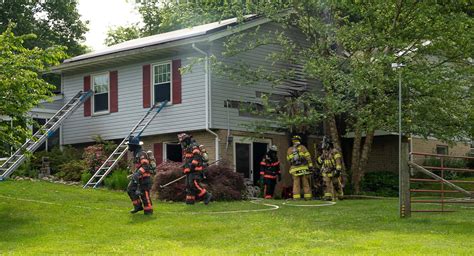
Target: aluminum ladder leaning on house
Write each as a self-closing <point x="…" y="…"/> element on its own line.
<point x="122" y="148"/>
<point x="46" y="131"/>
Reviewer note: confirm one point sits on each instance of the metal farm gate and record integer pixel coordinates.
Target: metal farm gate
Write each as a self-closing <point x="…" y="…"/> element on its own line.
<point x="437" y="183"/>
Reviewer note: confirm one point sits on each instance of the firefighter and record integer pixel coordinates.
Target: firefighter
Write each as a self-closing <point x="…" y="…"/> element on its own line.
<point x="330" y="163"/>
<point x="270" y="171"/>
<point x="140" y="184"/>
<point x="193" y="168"/>
<point x="317" y="178"/>
<point x="301" y="168"/>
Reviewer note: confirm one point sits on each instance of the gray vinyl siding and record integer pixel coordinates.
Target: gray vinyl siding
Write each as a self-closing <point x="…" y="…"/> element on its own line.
<point x="223" y="88"/>
<point x="189" y="115"/>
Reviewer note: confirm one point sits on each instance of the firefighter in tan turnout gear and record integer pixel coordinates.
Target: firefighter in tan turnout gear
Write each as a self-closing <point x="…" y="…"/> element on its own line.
<point x="330" y="164"/>
<point x="301" y="168"/>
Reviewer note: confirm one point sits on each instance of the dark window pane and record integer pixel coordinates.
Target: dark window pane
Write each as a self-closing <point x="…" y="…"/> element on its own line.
<point x="162" y="92"/>
<point x="36" y="128"/>
<point x="101" y="102"/>
<point x="442" y="150"/>
<point x="174" y="152"/>
<point x="53" y="140"/>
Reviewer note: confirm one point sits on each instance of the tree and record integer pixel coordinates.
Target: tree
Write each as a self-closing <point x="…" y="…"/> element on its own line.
<point x="53" y="22"/>
<point x="21" y="85"/>
<point x="350" y="49"/>
<point x="121" y="34"/>
<point x="160" y="17"/>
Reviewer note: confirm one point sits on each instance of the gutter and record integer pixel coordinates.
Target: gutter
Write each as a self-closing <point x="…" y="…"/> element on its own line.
<point x="207" y="85"/>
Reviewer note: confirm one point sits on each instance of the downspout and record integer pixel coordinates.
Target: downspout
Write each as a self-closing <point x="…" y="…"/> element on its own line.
<point x="207" y="98"/>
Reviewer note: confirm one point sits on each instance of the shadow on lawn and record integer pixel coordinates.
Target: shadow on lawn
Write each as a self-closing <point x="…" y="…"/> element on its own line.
<point x="139" y="218"/>
<point x="13" y="225"/>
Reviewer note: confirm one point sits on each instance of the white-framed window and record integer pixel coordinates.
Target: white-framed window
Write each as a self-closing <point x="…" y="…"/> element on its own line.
<point x="101" y="98"/>
<point x="162" y="81"/>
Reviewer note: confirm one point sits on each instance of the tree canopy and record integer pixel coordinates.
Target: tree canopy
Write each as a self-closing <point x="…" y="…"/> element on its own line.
<point x="53" y="22"/>
<point x="21" y="84"/>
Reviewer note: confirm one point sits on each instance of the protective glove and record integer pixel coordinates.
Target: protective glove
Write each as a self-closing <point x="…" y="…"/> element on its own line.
<point x="279" y="177"/>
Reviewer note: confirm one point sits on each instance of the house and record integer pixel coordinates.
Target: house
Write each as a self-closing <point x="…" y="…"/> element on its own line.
<point x="128" y="78"/>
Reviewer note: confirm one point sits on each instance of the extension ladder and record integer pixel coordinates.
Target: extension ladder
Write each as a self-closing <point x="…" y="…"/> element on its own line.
<point x="122" y="148"/>
<point x="46" y="131"/>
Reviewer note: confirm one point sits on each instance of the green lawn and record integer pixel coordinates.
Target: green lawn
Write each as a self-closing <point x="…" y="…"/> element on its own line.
<point x="44" y="218"/>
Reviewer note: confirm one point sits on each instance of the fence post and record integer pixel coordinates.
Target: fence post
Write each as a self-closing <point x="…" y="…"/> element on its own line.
<point x="405" y="205"/>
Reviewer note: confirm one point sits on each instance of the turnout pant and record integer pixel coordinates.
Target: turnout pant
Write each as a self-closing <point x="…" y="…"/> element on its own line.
<point x="298" y="181"/>
<point x="193" y="187"/>
<point x="141" y="199"/>
<point x="333" y="187"/>
<point x="269" y="187"/>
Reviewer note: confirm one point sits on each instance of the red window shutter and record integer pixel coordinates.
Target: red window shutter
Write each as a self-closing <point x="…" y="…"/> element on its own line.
<point x="176" y="82"/>
<point x="113" y="91"/>
<point x="158" y="152"/>
<point x="146" y="86"/>
<point x="87" y="103"/>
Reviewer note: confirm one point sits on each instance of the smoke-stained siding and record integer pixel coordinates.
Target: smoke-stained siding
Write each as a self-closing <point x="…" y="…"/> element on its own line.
<point x="224" y="88"/>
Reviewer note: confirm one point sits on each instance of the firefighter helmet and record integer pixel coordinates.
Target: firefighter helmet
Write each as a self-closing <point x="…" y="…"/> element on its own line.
<point x="296" y="138"/>
<point x="327" y="143"/>
<point x="183" y="136"/>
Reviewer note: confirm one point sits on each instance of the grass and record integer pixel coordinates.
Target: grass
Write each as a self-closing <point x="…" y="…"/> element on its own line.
<point x="45" y="218"/>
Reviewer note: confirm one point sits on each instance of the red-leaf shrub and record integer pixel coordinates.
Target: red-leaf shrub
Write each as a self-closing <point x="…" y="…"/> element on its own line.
<point x="221" y="181"/>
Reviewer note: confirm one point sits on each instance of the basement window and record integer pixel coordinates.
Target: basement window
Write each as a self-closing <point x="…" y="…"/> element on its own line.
<point x="441" y="149"/>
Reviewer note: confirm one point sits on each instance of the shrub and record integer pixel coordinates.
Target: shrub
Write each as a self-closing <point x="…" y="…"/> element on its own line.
<point x="222" y="182"/>
<point x="117" y="180"/>
<point x="26" y="170"/>
<point x="72" y="171"/>
<point x="96" y="154"/>
<point x="56" y="158"/>
<point x="380" y="183"/>
<point x="85" y="177"/>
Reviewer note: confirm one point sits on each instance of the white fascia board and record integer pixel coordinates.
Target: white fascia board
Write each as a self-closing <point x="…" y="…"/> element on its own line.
<point x="237" y="29"/>
<point x="105" y="58"/>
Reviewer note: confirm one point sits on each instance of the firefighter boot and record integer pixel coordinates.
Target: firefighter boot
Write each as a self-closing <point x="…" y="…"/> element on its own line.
<point x="190" y="200"/>
<point x="136" y="208"/>
<point x="207" y="198"/>
<point x="148" y="212"/>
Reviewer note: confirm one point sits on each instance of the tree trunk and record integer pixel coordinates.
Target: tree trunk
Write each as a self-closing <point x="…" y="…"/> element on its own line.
<point x="364" y="157"/>
<point x="333" y="131"/>
<point x="356" y="159"/>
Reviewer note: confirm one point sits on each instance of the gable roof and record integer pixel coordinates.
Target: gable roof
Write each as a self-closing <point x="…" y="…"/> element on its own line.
<point x="198" y="33"/>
